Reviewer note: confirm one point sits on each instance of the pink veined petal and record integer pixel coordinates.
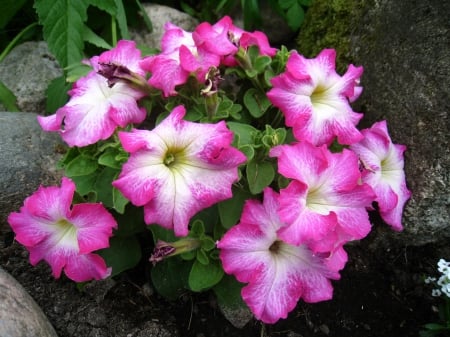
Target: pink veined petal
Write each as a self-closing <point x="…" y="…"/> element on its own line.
<point x="52" y="122"/>
<point x="124" y="53"/>
<point x="85" y="267"/>
<point x="174" y="37"/>
<point x="384" y="172"/>
<point x="198" y="63"/>
<point x="124" y="107"/>
<point x="278" y="274"/>
<point x="257" y="39"/>
<point x="94" y="226"/>
<point x="214" y="38"/>
<point x="201" y="168"/>
<point x="166" y="72"/>
<point x="315" y="99"/>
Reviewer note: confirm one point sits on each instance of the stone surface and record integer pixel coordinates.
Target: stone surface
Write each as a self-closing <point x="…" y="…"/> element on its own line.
<point x="28" y="159"/>
<point x="20" y="316"/>
<point x="27" y="71"/>
<point x="404" y="47"/>
<point x="159" y="15"/>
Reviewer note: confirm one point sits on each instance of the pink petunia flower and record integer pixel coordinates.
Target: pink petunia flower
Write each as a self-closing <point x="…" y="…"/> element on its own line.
<point x="325" y="202"/>
<point x="383" y="162"/>
<point x="64" y="236"/>
<point x="95" y="110"/>
<point x="178" y="169"/>
<point x="180" y="56"/>
<point x="315" y="99"/>
<point x="278" y="274"/>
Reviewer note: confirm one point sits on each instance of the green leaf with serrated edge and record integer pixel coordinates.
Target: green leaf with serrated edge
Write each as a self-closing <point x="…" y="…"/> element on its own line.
<point x="103" y="185"/>
<point x="8" y="99"/>
<point x="203" y="277"/>
<point x="90" y="36"/>
<point x="228" y="293"/>
<point x="230" y="210"/>
<point x="108" y="6"/>
<point x="56" y="94"/>
<point x="85" y="184"/>
<point x="80" y="166"/>
<point x="63" y="22"/>
<point x="259" y="175"/>
<point x="123" y="253"/>
<point x="170" y="277"/>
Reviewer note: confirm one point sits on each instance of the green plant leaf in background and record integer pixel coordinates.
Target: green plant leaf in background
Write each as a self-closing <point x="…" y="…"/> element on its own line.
<point x="123" y="253"/>
<point x="56" y="94"/>
<point x="63" y="27"/>
<point x="204" y="276"/>
<point x="8" y="99"/>
<point x="9" y="9"/>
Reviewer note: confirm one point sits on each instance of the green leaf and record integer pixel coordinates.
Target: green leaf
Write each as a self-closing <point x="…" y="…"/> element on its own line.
<point x="170" y="277"/>
<point x="295" y="16"/>
<point x="108" y="6"/>
<point x="147" y="20"/>
<point x="9" y="9"/>
<point x="259" y="175"/>
<point x="57" y="94"/>
<point x="230" y="210"/>
<point x="85" y="184"/>
<point x="108" y="158"/>
<point x="80" y="166"/>
<point x="245" y="132"/>
<point x="122" y="20"/>
<point x="76" y="71"/>
<point x="256" y="102"/>
<point x="123" y="253"/>
<point x="90" y="36"/>
<point x="119" y="201"/>
<point x="434" y="327"/>
<point x="131" y="221"/>
<point x="228" y="293"/>
<point x="203" y="277"/>
<point x="103" y="186"/>
<point x="261" y="63"/>
<point x="202" y="257"/>
<point x="8" y="99"/>
<point x="63" y="23"/>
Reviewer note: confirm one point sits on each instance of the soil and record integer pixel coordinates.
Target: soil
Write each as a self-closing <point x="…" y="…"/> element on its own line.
<point x="382" y="295"/>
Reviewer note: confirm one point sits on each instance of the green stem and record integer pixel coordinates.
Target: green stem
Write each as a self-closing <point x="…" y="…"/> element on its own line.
<point x="15" y="40"/>
<point x="113" y="30"/>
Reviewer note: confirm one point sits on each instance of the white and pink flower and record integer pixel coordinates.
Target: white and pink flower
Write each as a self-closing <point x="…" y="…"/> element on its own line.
<point x="383" y="163"/>
<point x="315" y="99"/>
<point x="64" y="236"/>
<point x="278" y="273"/>
<point x="178" y="169"/>
<point x="325" y="203"/>
<point x="95" y="109"/>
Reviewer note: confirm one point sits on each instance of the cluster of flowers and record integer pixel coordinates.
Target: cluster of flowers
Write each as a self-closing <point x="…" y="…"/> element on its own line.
<point x="444" y="280"/>
<point x="288" y="243"/>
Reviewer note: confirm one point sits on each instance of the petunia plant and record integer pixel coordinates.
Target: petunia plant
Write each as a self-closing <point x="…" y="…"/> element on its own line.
<point x="241" y="162"/>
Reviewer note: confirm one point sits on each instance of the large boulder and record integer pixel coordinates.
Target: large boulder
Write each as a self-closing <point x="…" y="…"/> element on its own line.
<point x="404" y="47"/>
<point x="27" y="71"/>
<point x="20" y="316"/>
<point x="159" y="15"/>
<point x="28" y="159"/>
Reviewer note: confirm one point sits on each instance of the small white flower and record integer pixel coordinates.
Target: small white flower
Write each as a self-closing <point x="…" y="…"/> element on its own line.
<point x="436" y="293"/>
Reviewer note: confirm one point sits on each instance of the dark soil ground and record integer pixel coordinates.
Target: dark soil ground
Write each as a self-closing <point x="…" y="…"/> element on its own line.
<point x="382" y="295"/>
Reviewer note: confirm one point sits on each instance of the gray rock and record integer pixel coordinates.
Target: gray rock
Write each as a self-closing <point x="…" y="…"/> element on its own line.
<point x="159" y="15"/>
<point x="27" y="71"/>
<point x="20" y="316"/>
<point x="28" y="159"/>
<point x="404" y="47"/>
